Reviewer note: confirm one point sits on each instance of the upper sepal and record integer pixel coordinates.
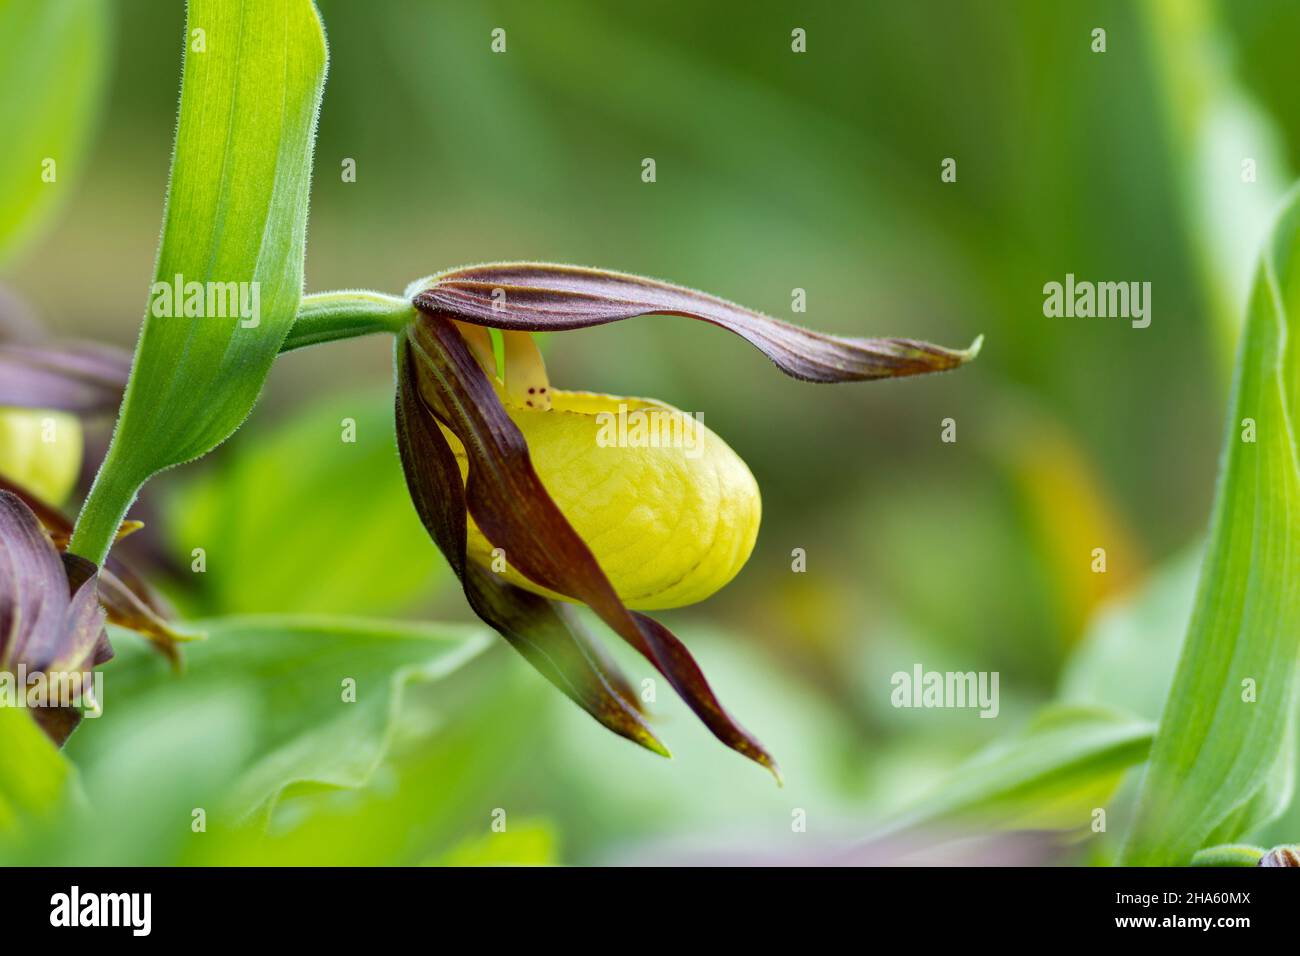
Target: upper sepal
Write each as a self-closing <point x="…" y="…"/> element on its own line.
<point x="540" y="297"/>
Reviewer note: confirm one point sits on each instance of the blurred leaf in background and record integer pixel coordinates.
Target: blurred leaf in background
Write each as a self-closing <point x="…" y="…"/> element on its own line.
<point x="54" y="59"/>
<point x="35" y="778"/>
<point x="308" y="515"/>
<point x="1052" y="776"/>
<point x="526" y="843"/>
<point x="1218" y="128"/>
<point x="266" y="706"/>
<point x="471" y="749"/>
<point x="1128" y="655"/>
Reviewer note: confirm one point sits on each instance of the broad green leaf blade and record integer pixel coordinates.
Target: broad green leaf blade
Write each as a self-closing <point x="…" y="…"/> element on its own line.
<point x="235" y="224"/>
<point x="1127" y="656"/>
<point x="33" y="773"/>
<point x="1067" y="762"/>
<point x="431" y="791"/>
<point x="1221" y="763"/>
<point x="322" y="696"/>
<point x="53" y="68"/>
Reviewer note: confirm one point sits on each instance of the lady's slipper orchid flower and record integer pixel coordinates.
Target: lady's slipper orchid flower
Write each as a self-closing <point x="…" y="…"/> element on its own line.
<point x="533" y="509"/>
<point x="51" y="623"/>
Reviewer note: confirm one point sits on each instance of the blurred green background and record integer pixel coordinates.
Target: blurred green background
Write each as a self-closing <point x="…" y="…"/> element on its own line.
<point x="775" y="171"/>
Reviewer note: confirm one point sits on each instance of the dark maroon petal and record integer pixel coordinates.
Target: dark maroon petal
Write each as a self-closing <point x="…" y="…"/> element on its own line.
<point x="596" y="652"/>
<point x="538" y="297"/>
<point x="83" y="641"/>
<point x="87" y="611"/>
<point x="533" y="625"/>
<point x="1281" y="856"/>
<point x="675" y="662"/>
<point x="50" y="618"/>
<point x="544" y="633"/>
<point x="78" y="635"/>
<point x="76" y="569"/>
<point x="57" y="722"/>
<point x="514" y="511"/>
<point x="126" y="597"/>
<point x="33" y="586"/>
<point x="82" y="378"/>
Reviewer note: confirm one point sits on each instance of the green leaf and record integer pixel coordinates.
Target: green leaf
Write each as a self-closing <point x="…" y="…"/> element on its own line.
<point x="379" y="559"/>
<point x="1068" y="761"/>
<point x="1127" y="657"/>
<point x="322" y="696"/>
<point x="1222" y="762"/>
<point x="53" y="66"/>
<point x="236" y="213"/>
<point x="484" y="738"/>
<point x="33" y="773"/>
<point x="1236" y="854"/>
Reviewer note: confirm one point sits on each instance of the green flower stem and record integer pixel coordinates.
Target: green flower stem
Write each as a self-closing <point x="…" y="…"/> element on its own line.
<point x="105" y="507"/>
<point x="322" y="317"/>
<point x="331" y="316"/>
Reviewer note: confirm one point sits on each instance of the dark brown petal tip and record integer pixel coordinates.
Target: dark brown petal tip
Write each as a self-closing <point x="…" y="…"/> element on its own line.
<point x="82" y="378"/>
<point x="57" y="722"/>
<point x="539" y="297"/>
<point x="514" y="511"/>
<point x="540" y="630"/>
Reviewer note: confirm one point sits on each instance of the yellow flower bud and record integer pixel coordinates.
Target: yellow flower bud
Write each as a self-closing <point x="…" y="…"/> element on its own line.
<point x="669" y="525"/>
<point x="41" y="450"/>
